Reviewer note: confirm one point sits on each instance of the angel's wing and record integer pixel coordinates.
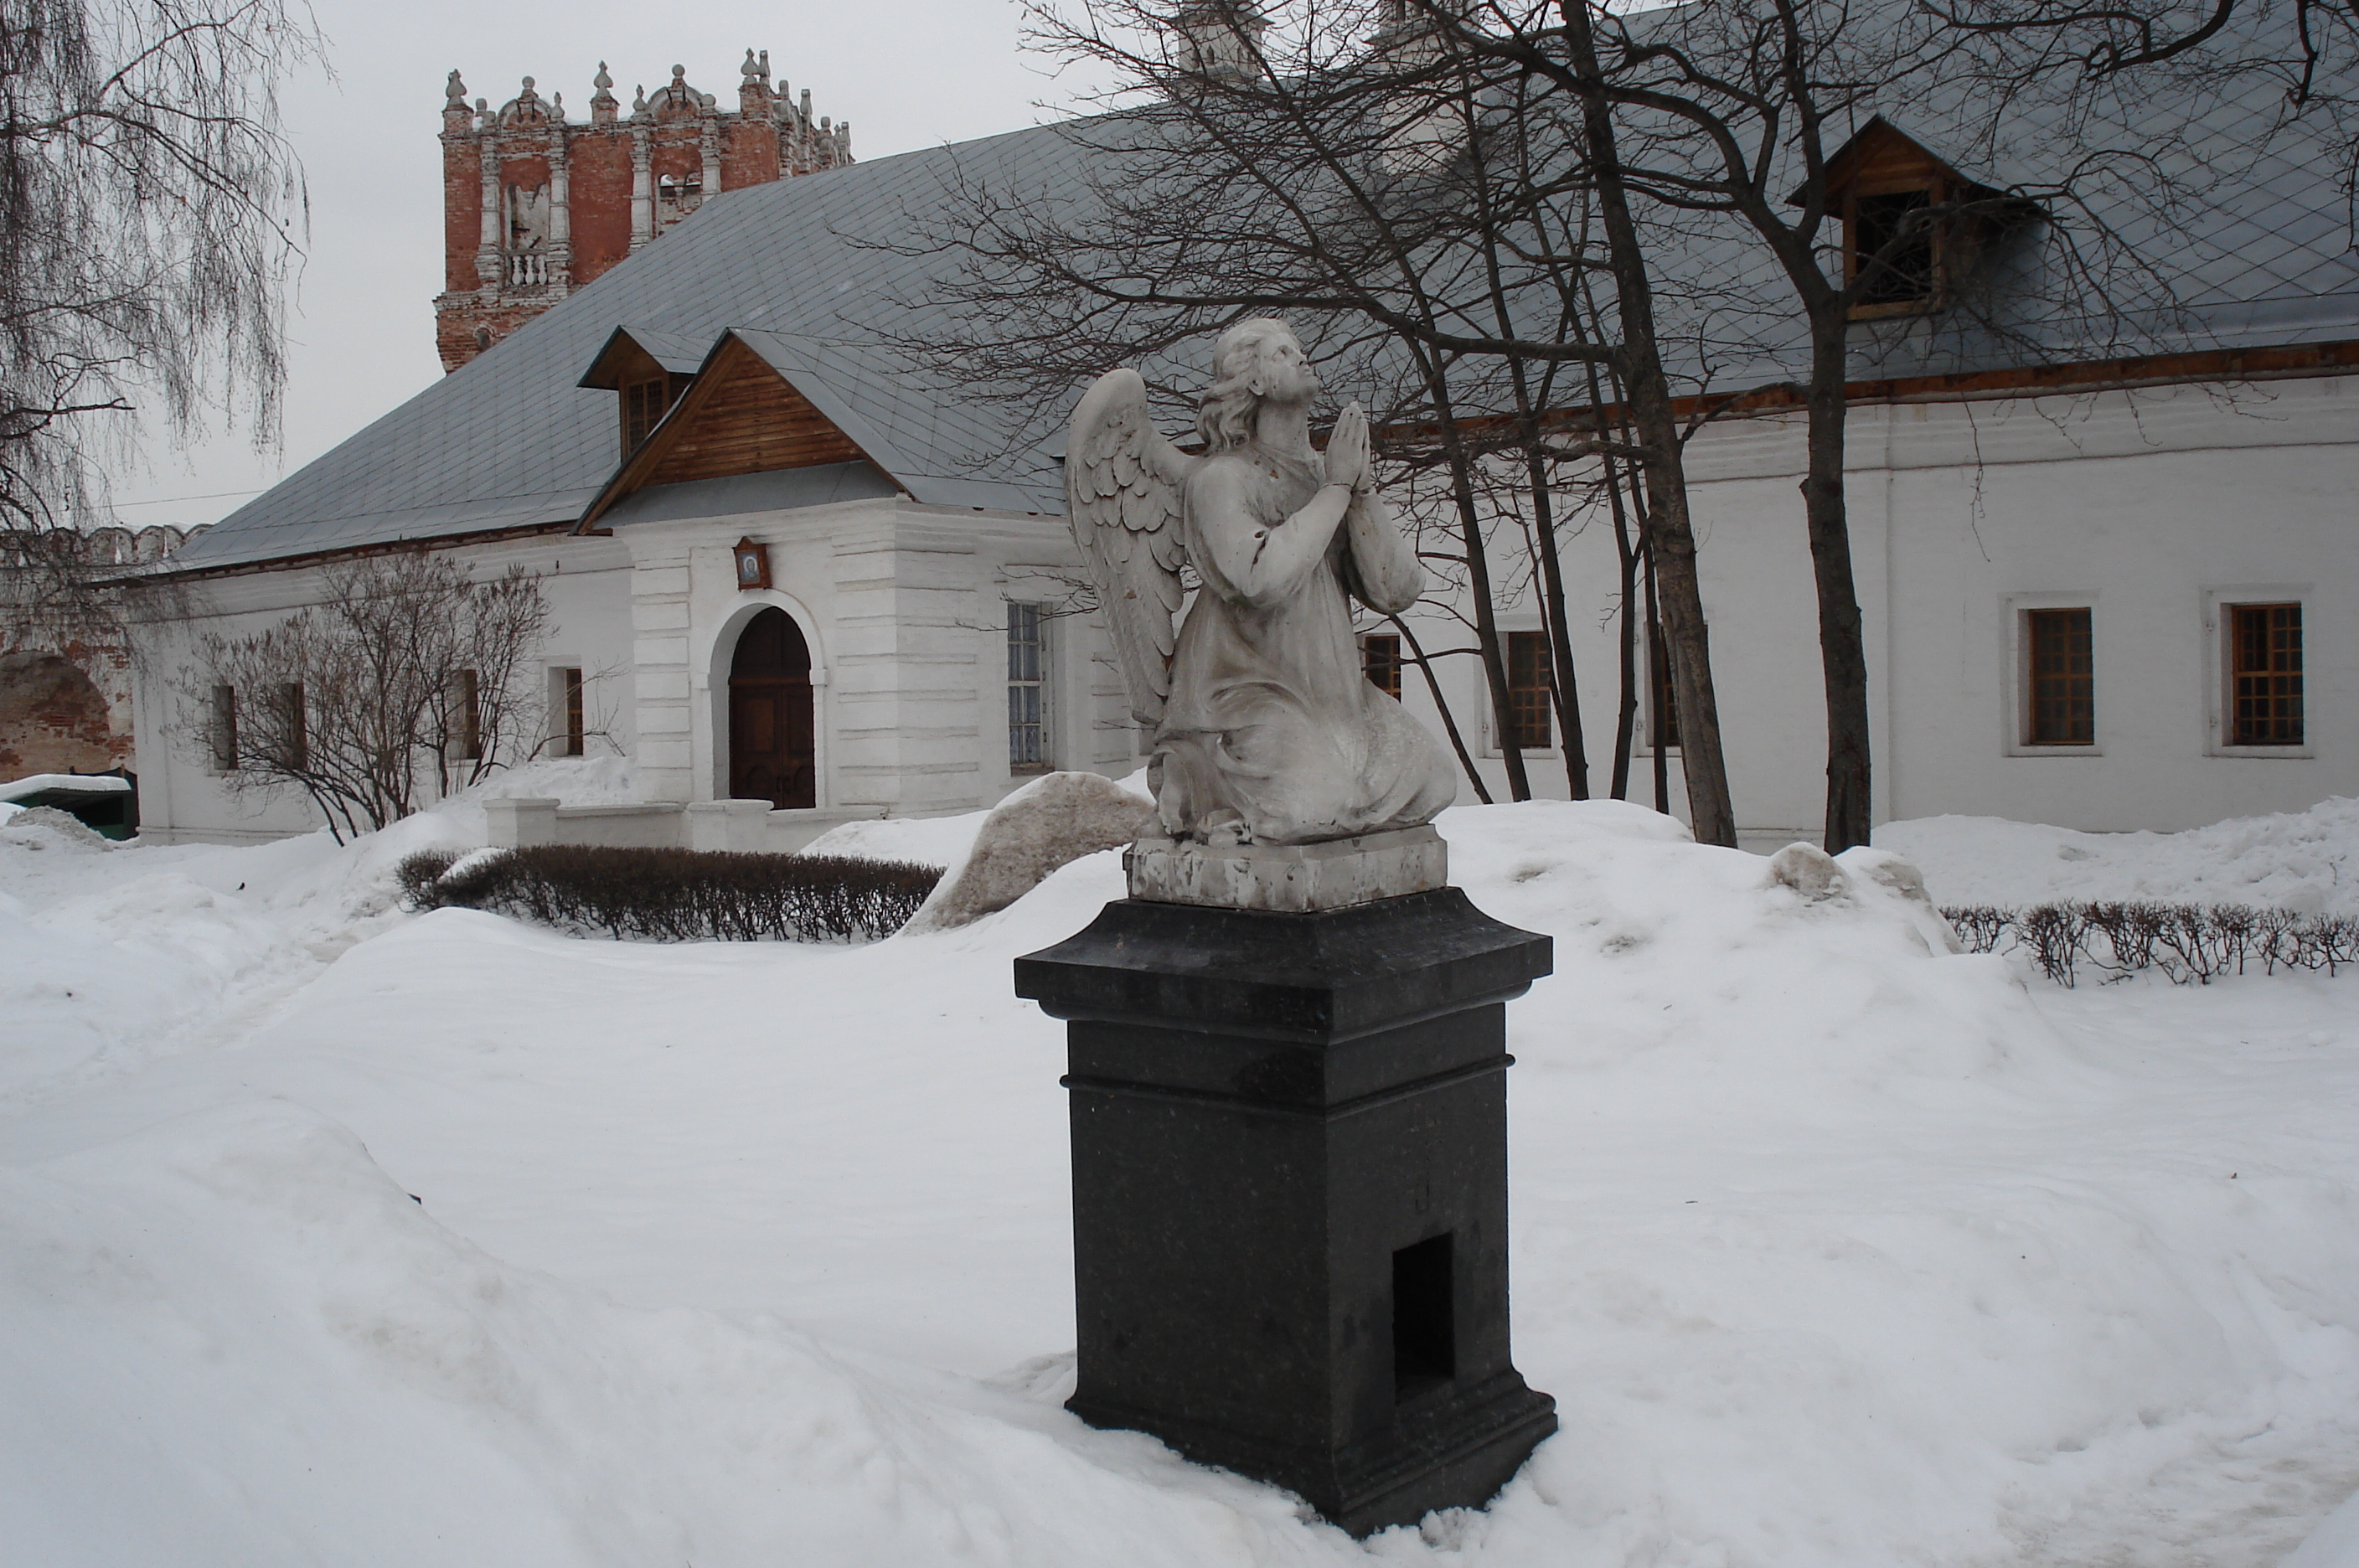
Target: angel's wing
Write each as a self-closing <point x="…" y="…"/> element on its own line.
<point x="1122" y="497"/>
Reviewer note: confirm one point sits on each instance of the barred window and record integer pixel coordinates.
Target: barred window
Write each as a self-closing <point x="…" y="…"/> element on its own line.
<point x="565" y="697"/>
<point x="2265" y="678"/>
<point x="1380" y="661"/>
<point x="1529" y="686"/>
<point x="466" y="715"/>
<point x="1906" y="274"/>
<point x="2060" y="676"/>
<point x="1027" y="735"/>
<point x="225" y="728"/>
<point x="292" y="715"/>
<point x="644" y="403"/>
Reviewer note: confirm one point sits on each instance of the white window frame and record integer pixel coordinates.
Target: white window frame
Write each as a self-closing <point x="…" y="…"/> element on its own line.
<point x="559" y="736"/>
<point x="1494" y="744"/>
<point x="222" y="730"/>
<point x="1046" y="686"/>
<point x="2219" y="668"/>
<point x="2017" y="709"/>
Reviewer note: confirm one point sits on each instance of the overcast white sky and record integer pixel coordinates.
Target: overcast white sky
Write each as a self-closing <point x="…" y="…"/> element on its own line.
<point x="909" y="74"/>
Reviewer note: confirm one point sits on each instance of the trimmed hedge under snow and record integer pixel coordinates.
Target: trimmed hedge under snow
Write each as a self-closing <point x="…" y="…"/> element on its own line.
<point x="2184" y="941"/>
<point x="676" y="895"/>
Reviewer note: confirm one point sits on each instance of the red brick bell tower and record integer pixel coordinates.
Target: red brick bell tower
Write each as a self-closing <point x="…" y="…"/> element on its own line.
<point x="534" y="205"/>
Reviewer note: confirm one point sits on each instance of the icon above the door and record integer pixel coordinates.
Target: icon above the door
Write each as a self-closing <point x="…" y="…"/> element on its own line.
<point x="752" y="564"/>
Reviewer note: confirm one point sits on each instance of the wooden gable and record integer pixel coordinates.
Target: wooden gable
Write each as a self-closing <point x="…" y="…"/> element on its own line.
<point x="741" y="416"/>
<point x="738" y="417"/>
<point x="1881" y="159"/>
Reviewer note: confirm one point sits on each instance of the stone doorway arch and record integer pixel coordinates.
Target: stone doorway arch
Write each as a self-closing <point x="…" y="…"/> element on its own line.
<point x="772" y="748"/>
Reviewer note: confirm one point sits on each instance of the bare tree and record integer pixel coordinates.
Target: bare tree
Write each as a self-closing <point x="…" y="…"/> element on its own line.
<point x="1725" y="122"/>
<point x="1420" y="222"/>
<point x="150" y="212"/>
<point x="407" y="682"/>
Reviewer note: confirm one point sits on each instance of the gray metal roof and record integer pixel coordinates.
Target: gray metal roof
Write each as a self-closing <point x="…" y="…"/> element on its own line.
<point x="795" y="269"/>
<point x="509" y="439"/>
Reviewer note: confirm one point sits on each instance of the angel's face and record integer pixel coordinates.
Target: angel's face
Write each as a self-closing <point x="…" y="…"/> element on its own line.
<point x="1286" y="373"/>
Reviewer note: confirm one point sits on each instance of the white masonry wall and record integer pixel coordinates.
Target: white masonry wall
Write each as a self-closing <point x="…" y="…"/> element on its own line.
<point x="904" y="610"/>
<point x="182" y="797"/>
<point x="2153" y="506"/>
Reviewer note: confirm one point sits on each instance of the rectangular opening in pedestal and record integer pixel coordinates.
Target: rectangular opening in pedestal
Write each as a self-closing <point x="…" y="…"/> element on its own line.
<point x="1425" y="1328"/>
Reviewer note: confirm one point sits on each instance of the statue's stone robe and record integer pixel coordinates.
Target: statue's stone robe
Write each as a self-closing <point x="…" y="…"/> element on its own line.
<point x="1272" y="733"/>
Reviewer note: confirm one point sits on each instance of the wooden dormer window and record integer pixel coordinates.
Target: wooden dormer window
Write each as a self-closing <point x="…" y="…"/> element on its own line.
<point x="647" y="371"/>
<point x="1899" y="257"/>
<point x="645" y="402"/>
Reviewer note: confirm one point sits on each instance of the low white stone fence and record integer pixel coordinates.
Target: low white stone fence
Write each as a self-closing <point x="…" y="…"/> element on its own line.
<point x="744" y="826"/>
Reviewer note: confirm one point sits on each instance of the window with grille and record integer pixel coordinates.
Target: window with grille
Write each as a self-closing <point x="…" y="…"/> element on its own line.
<point x="566" y="697"/>
<point x="1905" y="274"/>
<point x="225" y="728"/>
<point x="292" y="716"/>
<point x="2264" y="674"/>
<point x="643" y="406"/>
<point x="2060" y="667"/>
<point x="1529" y="687"/>
<point x="466" y="715"/>
<point x="1027" y="698"/>
<point x="1662" y="698"/>
<point x="1380" y="661"/>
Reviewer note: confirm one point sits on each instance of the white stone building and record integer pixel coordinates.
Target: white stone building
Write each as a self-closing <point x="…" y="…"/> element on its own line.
<point x="2068" y="569"/>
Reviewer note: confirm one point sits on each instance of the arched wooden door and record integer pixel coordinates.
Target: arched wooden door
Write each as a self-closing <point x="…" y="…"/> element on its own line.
<point x="770" y="752"/>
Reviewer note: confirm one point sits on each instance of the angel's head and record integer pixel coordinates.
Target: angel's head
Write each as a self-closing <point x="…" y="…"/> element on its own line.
<point x="1257" y="359"/>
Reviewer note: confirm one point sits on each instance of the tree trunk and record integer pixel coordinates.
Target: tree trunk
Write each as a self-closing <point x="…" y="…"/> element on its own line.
<point x="1711" y="814"/>
<point x="1625" y="715"/>
<point x="1658" y="757"/>
<point x="1478" y="583"/>
<point x="1559" y="628"/>
<point x="1842" y="647"/>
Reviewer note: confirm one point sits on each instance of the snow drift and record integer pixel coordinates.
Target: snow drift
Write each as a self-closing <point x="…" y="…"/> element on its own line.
<point x="1835" y="1248"/>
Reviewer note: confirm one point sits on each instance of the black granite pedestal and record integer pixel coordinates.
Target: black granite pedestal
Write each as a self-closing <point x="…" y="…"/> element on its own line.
<point x="1290" y="1192"/>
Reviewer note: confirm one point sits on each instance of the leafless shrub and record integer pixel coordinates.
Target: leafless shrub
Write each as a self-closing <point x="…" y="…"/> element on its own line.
<point x="679" y="895"/>
<point x="407" y="679"/>
<point x="2185" y="942"/>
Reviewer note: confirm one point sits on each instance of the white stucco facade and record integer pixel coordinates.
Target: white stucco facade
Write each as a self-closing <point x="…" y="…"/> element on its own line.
<point x="903" y="608"/>
<point x="183" y="797"/>
<point x="2153" y="508"/>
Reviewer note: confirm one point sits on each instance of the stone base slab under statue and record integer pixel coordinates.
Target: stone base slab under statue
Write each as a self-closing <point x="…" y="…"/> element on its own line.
<point x="1297" y="878"/>
<point x="1290" y="1192"/>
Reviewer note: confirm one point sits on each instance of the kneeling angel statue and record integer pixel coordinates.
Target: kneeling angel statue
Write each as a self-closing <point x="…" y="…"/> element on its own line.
<point x="1264" y="729"/>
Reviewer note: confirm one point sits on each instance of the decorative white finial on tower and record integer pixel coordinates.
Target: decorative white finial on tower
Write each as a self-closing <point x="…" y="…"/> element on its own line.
<point x="454" y="93"/>
<point x="749" y="71"/>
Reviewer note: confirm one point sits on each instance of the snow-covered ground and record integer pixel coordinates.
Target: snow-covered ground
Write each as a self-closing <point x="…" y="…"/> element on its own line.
<point x="2304" y="861"/>
<point x="1833" y="1251"/>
